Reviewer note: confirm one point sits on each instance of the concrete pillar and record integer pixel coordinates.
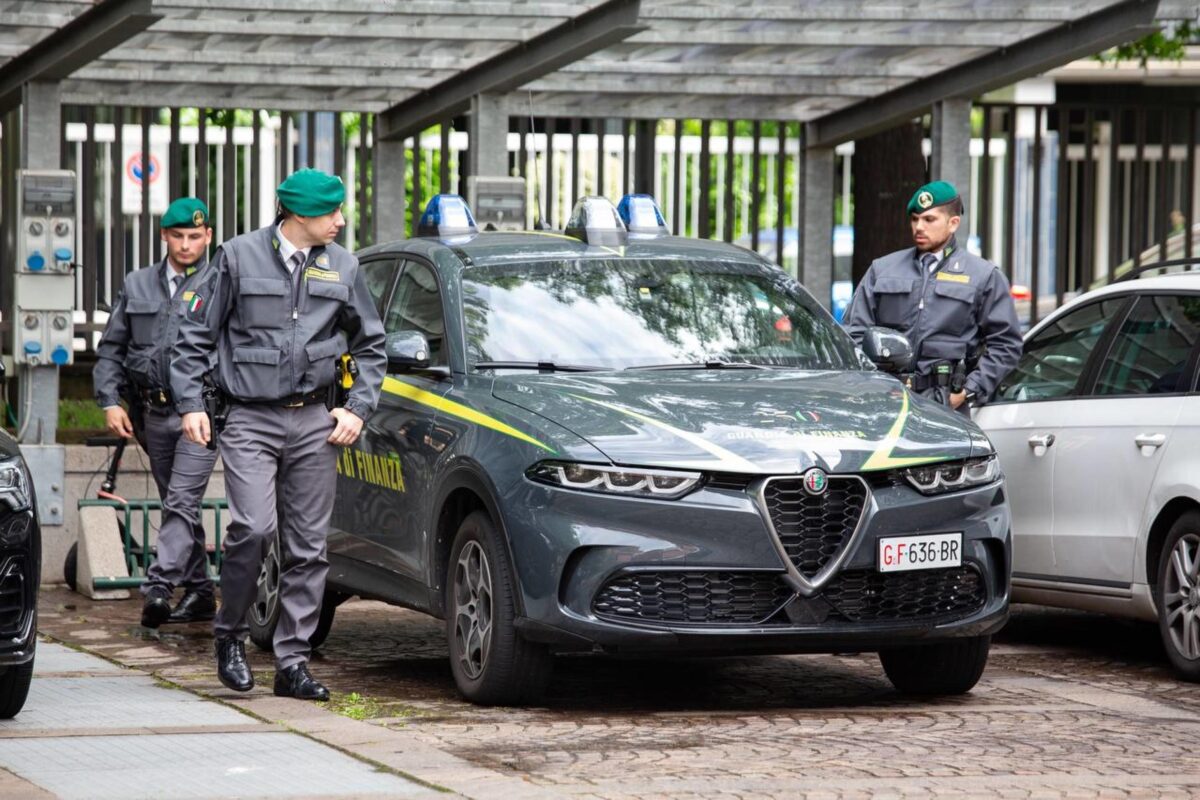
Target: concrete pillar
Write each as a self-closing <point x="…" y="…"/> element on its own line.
<point x="815" y="270"/>
<point x="951" y="158"/>
<point x="487" y="127"/>
<point x="37" y="409"/>
<point x="389" y="195"/>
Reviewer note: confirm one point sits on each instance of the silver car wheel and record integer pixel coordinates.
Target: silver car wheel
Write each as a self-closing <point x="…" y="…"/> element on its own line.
<point x="1181" y="596"/>
<point x="266" y="599"/>
<point x="473" y="609"/>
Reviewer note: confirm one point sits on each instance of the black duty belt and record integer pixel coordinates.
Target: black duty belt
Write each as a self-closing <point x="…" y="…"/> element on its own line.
<point x="291" y="401"/>
<point x="156" y="398"/>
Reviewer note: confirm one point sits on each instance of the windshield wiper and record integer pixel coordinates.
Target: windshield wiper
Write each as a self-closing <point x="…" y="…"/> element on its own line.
<point x="540" y="366"/>
<point x="704" y="365"/>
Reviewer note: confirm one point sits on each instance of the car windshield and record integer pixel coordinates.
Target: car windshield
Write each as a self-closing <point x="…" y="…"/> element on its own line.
<point x="620" y="313"/>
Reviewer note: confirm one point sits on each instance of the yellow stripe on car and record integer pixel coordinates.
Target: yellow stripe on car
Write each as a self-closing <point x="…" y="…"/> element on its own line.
<point x="402" y="389"/>
<point x="729" y="461"/>
<point x="882" y="457"/>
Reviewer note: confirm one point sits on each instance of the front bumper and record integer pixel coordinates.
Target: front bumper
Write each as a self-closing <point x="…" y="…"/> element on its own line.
<point x="20" y="571"/>
<point x="706" y="574"/>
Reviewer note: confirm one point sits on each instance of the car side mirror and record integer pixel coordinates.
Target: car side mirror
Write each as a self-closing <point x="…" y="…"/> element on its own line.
<point x="408" y="351"/>
<point x="888" y="349"/>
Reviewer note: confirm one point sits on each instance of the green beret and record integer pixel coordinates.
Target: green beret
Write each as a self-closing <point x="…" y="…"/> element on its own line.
<point x="311" y="193"/>
<point x="186" y="212"/>
<point x="932" y="195"/>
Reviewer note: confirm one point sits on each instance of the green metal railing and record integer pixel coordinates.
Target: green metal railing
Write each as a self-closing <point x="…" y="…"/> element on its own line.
<point x="138" y="557"/>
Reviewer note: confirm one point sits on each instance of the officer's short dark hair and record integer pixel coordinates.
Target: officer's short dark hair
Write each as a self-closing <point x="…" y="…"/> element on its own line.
<point x="282" y="212"/>
<point x="955" y="207"/>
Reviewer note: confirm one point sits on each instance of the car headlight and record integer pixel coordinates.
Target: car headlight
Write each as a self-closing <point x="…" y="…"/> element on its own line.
<point x="14" y="486"/>
<point x="660" y="483"/>
<point x="951" y="476"/>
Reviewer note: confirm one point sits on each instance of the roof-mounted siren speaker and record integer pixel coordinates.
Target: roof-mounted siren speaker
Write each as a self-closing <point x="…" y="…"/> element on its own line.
<point x="594" y="220"/>
<point x="642" y="216"/>
<point x="447" y="215"/>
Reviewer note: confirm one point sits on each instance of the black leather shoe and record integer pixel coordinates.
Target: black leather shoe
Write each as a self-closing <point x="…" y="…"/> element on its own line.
<point x="232" y="667"/>
<point x="295" y="681"/>
<point x="155" y="610"/>
<point x="194" y="607"/>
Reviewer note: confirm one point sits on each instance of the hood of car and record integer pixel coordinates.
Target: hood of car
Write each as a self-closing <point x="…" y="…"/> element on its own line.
<point x="747" y="421"/>
<point x="8" y="445"/>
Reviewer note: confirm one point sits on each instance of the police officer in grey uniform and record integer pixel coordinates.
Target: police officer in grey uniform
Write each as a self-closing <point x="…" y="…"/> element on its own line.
<point x="279" y="307"/>
<point x="133" y="360"/>
<point x="954" y="307"/>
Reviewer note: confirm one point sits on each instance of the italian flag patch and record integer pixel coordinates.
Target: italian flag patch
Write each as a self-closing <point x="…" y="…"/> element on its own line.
<point x="197" y="302"/>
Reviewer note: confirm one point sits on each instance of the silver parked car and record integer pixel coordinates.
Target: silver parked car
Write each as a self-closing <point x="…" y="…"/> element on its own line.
<point x="1098" y="433"/>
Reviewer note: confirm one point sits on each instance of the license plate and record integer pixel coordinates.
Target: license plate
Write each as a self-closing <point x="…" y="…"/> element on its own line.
<point x="902" y="553"/>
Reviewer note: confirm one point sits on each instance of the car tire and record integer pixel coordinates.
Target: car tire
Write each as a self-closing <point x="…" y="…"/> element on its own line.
<point x="329" y="604"/>
<point x="944" y="668"/>
<point x="1177" y="595"/>
<point x="264" y="611"/>
<point x="71" y="566"/>
<point x="14" y="688"/>
<point x="491" y="663"/>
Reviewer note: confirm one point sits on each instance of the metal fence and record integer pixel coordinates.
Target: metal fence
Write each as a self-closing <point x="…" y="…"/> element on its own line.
<point x="1062" y="196"/>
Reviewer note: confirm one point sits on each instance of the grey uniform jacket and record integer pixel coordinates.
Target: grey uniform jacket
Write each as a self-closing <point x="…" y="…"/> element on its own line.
<point x="946" y="314"/>
<point x="135" y="350"/>
<point x="278" y="334"/>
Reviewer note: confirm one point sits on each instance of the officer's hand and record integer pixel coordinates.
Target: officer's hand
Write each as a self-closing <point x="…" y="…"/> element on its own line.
<point x="195" y="427"/>
<point x="117" y="422"/>
<point x="349" y="425"/>
<point x="958" y="398"/>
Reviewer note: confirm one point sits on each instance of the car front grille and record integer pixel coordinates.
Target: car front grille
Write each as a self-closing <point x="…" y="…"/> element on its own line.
<point x="692" y="597"/>
<point x="813" y="529"/>
<point x="867" y="596"/>
<point x="720" y="598"/>
<point x="12" y="598"/>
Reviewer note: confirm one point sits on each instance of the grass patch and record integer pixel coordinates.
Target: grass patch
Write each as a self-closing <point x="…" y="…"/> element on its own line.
<point x="361" y="707"/>
<point x="80" y="415"/>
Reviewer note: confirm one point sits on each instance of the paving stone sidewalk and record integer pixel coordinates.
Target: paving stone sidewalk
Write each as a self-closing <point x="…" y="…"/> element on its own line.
<point x="1072" y="705"/>
<point x="92" y="729"/>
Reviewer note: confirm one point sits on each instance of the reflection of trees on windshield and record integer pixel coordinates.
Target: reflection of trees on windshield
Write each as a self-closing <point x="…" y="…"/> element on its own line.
<point x="610" y="312"/>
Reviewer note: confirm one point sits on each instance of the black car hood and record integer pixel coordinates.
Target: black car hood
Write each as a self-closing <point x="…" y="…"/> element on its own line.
<point x="747" y="421"/>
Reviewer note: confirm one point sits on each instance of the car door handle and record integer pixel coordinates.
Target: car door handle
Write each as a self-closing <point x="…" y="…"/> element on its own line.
<point x="1151" y="440"/>
<point x="1040" y="443"/>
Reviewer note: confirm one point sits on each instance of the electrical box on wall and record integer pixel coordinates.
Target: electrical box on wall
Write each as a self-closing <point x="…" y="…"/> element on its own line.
<point x="498" y="202"/>
<point x="44" y="281"/>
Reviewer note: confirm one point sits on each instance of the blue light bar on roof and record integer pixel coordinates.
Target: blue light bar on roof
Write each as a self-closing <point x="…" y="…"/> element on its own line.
<point x="594" y="220"/>
<point x="446" y="215"/>
<point x="641" y="215"/>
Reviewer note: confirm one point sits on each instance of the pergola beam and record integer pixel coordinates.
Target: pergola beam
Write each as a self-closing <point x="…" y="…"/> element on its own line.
<point x="1118" y="23"/>
<point x="593" y="30"/>
<point x="79" y="42"/>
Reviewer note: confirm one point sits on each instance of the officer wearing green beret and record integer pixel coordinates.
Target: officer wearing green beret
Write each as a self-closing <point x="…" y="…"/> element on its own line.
<point x="279" y="307"/>
<point x="954" y="307"/>
<point x="133" y="360"/>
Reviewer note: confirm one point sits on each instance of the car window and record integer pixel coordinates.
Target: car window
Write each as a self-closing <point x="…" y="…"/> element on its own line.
<point x="1150" y="352"/>
<point x="622" y="312"/>
<point x="1055" y="358"/>
<point x="378" y="276"/>
<point x="417" y="306"/>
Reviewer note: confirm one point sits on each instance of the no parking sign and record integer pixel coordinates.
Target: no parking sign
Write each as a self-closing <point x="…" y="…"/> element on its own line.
<point x="134" y="180"/>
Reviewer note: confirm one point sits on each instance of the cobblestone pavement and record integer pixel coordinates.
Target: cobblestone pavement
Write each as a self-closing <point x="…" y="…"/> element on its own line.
<point x="1072" y="705"/>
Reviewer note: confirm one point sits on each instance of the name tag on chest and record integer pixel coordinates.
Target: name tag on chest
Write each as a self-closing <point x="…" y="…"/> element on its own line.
<point x="956" y="278"/>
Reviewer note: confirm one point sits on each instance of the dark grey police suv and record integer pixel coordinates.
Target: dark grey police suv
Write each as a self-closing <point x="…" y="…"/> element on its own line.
<point x="623" y="441"/>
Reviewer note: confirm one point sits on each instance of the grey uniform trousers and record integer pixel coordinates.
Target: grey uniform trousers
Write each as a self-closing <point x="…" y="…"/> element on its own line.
<point x="272" y="455"/>
<point x="181" y="469"/>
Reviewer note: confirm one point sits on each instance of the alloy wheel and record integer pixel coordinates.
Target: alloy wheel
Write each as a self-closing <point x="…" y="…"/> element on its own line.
<point x="1181" y="596"/>
<point x="267" y="598"/>
<point x="473" y="609"/>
